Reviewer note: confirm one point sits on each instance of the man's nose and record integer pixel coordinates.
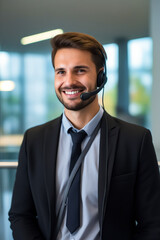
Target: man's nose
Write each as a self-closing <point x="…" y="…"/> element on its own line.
<point x="70" y="79"/>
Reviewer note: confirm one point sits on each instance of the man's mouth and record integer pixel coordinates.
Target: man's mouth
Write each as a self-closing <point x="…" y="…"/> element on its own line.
<point x="72" y="92"/>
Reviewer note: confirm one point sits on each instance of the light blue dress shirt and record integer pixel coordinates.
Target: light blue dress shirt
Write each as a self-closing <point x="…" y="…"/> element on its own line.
<point x="89" y="229"/>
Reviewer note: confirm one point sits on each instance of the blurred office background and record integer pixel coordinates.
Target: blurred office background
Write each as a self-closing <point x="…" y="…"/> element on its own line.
<point x="130" y="33"/>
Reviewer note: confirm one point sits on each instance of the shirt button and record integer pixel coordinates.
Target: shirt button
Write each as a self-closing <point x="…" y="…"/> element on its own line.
<point x="72" y="238"/>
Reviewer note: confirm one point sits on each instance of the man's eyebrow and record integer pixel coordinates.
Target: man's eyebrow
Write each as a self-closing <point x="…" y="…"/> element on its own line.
<point x="59" y="69"/>
<point x="75" y="67"/>
<point x="81" y="66"/>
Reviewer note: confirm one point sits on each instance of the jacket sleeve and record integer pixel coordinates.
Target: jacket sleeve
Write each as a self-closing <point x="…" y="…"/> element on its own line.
<point x="22" y="214"/>
<point x="147" y="204"/>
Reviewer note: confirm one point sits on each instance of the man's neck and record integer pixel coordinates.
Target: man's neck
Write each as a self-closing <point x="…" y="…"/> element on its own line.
<point x="80" y="118"/>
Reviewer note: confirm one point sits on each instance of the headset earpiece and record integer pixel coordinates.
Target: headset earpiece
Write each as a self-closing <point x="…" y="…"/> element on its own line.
<point x="101" y="78"/>
<point x="101" y="81"/>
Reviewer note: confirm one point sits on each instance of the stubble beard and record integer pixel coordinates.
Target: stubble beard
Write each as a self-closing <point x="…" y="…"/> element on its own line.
<point x="82" y="104"/>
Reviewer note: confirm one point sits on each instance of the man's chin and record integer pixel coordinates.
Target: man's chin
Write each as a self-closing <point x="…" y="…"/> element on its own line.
<point x="79" y="106"/>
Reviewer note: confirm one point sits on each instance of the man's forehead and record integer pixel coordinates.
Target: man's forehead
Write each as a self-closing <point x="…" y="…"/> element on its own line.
<point x="73" y="56"/>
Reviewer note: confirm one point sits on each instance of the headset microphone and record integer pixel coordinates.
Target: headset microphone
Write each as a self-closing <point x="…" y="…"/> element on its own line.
<point x="87" y="95"/>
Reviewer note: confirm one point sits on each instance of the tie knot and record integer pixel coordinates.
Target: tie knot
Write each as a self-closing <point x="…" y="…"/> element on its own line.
<point x="77" y="137"/>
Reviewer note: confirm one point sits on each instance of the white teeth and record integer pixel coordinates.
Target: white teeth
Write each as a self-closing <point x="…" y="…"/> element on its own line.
<point x="71" y="92"/>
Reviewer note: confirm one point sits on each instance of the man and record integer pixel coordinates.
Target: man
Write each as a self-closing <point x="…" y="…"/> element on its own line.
<point x="118" y="184"/>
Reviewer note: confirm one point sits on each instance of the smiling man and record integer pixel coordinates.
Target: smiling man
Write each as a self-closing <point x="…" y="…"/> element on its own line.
<point x="75" y="73"/>
<point x="115" y="193"/>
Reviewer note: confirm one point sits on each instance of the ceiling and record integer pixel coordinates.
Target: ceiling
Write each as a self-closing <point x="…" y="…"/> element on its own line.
<point x="106" y="20"/>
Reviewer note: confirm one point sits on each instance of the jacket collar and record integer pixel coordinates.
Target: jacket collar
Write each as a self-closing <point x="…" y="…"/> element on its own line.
<point x="108" y="142"/>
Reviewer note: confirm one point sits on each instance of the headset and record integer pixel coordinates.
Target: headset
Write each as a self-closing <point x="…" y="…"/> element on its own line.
<point x="101" y="81"/>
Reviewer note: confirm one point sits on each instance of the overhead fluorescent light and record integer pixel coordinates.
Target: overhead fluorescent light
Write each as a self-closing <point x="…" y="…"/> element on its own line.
<point x="40" y="36"/>
<point x="7" y="85"/>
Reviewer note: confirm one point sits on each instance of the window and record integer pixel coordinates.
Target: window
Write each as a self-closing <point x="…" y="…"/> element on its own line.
<point x="140" y="69"/>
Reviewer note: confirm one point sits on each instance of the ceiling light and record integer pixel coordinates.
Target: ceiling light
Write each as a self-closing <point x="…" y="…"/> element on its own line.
<point x="7" y="85"/>
<point x="40" y="36"/>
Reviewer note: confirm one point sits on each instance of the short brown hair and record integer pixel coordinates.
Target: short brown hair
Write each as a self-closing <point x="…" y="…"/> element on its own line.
<point x="80" y="41"/>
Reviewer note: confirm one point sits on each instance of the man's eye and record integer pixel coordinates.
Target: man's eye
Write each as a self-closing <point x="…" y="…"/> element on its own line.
<point x="60" y="72"/>
<point x="81" y="70"/>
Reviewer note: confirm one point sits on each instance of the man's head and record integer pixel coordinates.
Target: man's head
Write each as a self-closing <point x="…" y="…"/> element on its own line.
<point x="80" y="41"/>
<point x="77" y="59"/>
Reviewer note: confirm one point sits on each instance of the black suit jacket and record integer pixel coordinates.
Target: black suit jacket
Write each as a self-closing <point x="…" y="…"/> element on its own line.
<point x="128" y="185"/>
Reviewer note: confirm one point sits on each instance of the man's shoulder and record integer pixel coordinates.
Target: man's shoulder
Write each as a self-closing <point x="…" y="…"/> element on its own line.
<point x="47" y="127"/>
<point x="125" y="127"/>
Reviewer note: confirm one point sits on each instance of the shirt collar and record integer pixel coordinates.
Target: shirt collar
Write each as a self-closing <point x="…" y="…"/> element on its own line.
<point x="88" y="128"/>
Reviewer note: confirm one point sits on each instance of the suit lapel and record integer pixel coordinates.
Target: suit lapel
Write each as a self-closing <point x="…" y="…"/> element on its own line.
<point x="51" y="139"/>
<point x="108" y="141"/>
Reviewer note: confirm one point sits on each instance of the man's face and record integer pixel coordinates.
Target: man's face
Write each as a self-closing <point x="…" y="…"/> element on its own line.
<point x="75" y="73"/>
